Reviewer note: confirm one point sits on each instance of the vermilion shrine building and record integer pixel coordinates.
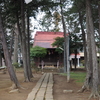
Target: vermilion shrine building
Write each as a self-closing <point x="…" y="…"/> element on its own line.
<point x="45" y="40"/>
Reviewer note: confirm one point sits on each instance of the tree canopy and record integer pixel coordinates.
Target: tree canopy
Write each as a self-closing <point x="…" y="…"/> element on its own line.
<point x="82" y="17"/>
<point x="38" y="52"/>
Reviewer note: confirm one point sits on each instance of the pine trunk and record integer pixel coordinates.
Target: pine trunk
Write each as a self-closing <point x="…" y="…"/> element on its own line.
<point x="28" y="49"/>
<point x="99" y="16"/>
<point x="99" y="36"/>
<point x="0" y="59"/>
<point x="11" y="44"/>
<point x="75" y="60"/>
<point x="7" y="56"/>
<point x="91" y="81"/>
<point x="24" y="49"/>
<point x="66" y="40"/>
<point x="15" y="57"/>
<point x="91" y="48"/>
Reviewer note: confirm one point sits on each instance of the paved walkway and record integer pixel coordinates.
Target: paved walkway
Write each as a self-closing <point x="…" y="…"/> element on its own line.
<point x="43" y="89"/>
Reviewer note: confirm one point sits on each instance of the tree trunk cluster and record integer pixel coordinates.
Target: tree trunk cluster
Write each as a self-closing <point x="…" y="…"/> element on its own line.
<point x="92" y="78"/>
<point x="7" y="56"/>
<point x="20" y="34"/>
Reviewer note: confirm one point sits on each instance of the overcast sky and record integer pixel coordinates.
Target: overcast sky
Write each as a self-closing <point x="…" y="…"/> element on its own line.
<point x="27" y="1"/>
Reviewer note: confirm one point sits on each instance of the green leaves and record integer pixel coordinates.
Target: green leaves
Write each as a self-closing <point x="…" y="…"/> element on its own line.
<point x="58" y="42"/>
<point x="38" y="51"/>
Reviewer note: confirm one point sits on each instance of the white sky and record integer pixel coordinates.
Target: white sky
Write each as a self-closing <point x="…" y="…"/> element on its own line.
<point x="35" y="23"/>
<point x="27" y="1"/>
<point x="32" y="21"/>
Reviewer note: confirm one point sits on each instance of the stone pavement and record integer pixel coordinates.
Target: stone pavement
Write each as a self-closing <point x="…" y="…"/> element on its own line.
<point x="43" y="89"/>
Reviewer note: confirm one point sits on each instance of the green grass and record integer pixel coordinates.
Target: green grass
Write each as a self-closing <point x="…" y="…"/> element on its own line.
<point x="79" y="77"/>
<point x="82" y="66"/>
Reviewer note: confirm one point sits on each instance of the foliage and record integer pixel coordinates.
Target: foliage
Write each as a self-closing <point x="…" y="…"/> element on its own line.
<point x="58" y="43"/>
<point x="51" y="21"/>
<point x="16" y="65"/>
<point x="38" y="51"/>
<point x="75" y="43"/>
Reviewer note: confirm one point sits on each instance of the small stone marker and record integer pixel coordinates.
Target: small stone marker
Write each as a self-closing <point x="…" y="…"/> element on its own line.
<point x="15" y="90"/>
<point x="68" y="91"/>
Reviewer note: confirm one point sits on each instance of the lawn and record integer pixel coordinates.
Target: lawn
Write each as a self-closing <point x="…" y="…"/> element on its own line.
<point x="79" y="77"/>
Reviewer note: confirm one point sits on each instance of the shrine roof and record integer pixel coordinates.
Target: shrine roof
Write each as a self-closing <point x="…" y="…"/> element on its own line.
<point x="45" y="39"/>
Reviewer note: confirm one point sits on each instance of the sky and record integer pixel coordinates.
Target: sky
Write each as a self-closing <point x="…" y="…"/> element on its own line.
<point x="35" y="23"/>
<point x="27" y="1"/>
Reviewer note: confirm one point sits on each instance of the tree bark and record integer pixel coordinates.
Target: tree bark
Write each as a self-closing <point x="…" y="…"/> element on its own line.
<point x="66" y="39"/>
<point x="7" y="56"/>
<point x="15" y="57"/>
<point x="24" y="49"/>
<point x="92" y="69"/>
<point x="99" y="37"/>
<point x="75" y="60"/>
<point x="0" y="59"/>
<point x="28" y="49"/>
<point x="11" y="44"/>
<point x="91" y="81"/>
<point x="99" y="17"/>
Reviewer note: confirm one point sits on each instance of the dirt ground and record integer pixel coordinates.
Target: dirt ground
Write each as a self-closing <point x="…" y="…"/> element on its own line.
<point x="60" y="84"/>
<point x="5" y="83"/>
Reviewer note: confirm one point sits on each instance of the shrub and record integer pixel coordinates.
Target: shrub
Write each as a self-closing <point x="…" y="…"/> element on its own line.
<point x="16" y="65"/>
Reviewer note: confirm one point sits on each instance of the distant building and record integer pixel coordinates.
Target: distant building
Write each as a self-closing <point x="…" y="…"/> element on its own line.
<point x="45" y="40"/>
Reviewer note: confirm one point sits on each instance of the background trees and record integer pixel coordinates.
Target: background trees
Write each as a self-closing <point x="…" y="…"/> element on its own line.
<point x="75" y="17"/>
<point x="14" y="13"/>
<point x="89" y="43"/>
<point x="79" y="18"/>
<point x="7" y="56"/>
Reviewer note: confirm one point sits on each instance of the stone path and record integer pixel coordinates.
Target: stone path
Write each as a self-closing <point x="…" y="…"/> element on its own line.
<point x="43" y="89"/>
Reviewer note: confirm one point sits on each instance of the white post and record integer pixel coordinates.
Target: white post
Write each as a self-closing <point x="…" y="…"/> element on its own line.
<point x="57" y="64"/>
<point x="42" y="64"/>
<point x="78" y="62"/>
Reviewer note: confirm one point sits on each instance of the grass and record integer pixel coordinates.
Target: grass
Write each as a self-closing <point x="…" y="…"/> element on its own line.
<point x="79" y="77"/>
<point x="82" y="66"/>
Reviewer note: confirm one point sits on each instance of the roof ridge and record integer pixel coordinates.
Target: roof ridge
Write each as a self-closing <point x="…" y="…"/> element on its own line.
<point x="50" y="33"/>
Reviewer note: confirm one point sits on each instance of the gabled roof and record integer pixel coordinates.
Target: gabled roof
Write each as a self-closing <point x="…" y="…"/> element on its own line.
<point x="45" y="39"/>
